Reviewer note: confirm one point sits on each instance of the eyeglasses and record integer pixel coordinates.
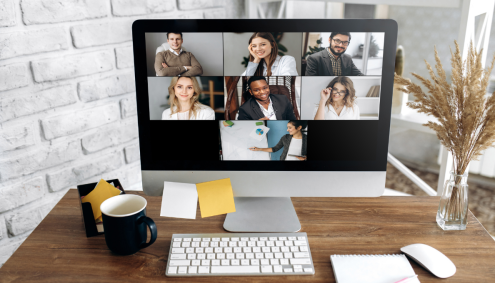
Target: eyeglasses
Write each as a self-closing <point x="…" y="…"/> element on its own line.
<point x="338" y="41"/>
<point x="342" y="92"/>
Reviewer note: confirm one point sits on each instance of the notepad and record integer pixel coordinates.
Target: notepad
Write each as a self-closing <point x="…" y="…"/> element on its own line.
<point x="371" y="268"/>
<point x="215" y="197"/>
<point x="179" y="200"/>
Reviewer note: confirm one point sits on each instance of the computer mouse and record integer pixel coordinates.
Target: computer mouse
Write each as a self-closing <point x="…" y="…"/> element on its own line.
<point x="431" y="259"/>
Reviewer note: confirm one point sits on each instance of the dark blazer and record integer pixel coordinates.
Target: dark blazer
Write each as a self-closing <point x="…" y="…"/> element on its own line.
<point x="285" y="142"/>
<point x="283" y="109"/>
<point x="320" y="64"/>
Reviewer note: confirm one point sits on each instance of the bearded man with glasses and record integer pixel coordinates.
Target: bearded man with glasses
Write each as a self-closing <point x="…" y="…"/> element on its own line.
<point x="332" y="61"/>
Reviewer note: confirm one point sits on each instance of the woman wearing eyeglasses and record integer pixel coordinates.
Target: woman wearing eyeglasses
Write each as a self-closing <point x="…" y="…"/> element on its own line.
<point x="337" y="101"/>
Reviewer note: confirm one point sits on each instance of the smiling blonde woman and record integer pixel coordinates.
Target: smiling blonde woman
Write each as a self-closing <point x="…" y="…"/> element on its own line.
<point x="184" y="105"/>
<point x="337" y="101"/>
<point x="263" y="53"/>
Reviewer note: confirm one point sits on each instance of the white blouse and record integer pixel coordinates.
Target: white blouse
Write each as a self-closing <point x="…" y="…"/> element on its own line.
<point x="204" y="113"/>
<point x="345" y="114"/>
<point x="282" y="66"/>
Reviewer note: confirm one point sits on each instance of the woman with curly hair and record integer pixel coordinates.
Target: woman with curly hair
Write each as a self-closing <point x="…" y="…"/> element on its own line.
<point x="337" y="101"/>
<point x="264" y="53"/>
<point x="184" y="105"/>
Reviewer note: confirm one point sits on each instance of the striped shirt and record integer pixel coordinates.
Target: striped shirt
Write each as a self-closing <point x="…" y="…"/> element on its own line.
<point x="336" y="63"/>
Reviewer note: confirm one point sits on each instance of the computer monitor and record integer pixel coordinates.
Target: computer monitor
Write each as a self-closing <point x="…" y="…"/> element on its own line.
<point x="315" y="125"/>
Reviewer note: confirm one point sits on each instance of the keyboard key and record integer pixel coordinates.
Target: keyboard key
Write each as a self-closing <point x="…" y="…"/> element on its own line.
<point x="288" y="255"/>
<point x="256" y="250"/>
<point x="298" y="270"/>
<point x="195" y="244"/>
<point x="235" y="269"/>
<point x="204" y="244"/>
<point x="273" y="238"/>
<point x="177" y="239"/>
<point x="218" y="250"/>
<point x="292" y="238"/>
<point x="191" y="256"/>
<point x="254" y="238"/>
<point x="172" y="270"/>
<point x="263" y="238"/>
<point x="189" y="250"/>
<point x="284" y="261"/>
<point x="305" y="269"/>
<point x="203" y="269"/>
<point x="247" y="250"/>
<point x="199" y="250"/>
<point x="266" y="249"/>
<point x="282" y="238"/>
<point x="209" y="250"/>
<point x="236" y="250"/>
<point x="177" y="250"/>
<point x="301" y="238"/>
<point x="288" y="243"/>
<point x="278" y="255"/>
<point x="210" y="256"/>
<point x="251" y="243"/>
<point x="259" y="255"/>
<point x="178" y="256"/>
<point x="216" y="239"/>
<point x="244" y="239"/>
<point x="176" y="245"/>
<point x="300" y="255"/>
<point x="275" y="249"/>
<point x="270" y="243"/>
<point x="300" y="261"/>
<point x="288" y="270"/>
<point x="240" y="255"/>
<point x="249" y="255"/>
<point x="275" y="261"/>
<point x="225" y="262"/>
<point x="264" y="262"/>
<point x="228" y="250"/>
<point x="279" y="243"/>
<point x="215" y="262"/>
<point x="268" y="255"/>
<point x="179" y="262"/>
<point x="197" y="239"/>
<point x="235" y="262"/>
<point x="261" y="244"/>
<point x="221" y="256"/>
<point x="186" y="244"/>
<point x="300" y="243"/>
<point x="222" y="244"/>
<point x="186" y="239"/>
<point x="182" y="270"/>
<point x="278" y="269"/>
<point x="195" y="262"/>
<point x="267" y="269"/>
<point x="304" y="249"/>
<point x="214" y="244"/>
<point x="297" y="266"/>
<point x="233" y="244"/>
<point x="295" y="249"/>
<point x="285" y="249"/>
<point x="201" y="256"/>
<point x="206" y="239"/>
<point x="230" y="256"/>
<point x="193" y="270"/>
<point x="205" y="262"/>
<point x="245" y="262"/>
<point x="235" y="239"/>
<point x="242" y="244"/>
<point x="225" y="239"/>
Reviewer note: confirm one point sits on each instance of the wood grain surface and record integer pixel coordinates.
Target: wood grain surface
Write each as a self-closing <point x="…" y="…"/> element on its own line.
<point x="59" y="251"/>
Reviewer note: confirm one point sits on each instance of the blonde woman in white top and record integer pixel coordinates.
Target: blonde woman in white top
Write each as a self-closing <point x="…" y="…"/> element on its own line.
<point x="263" y="53"/>
<point x="184" y="105"/>
<point x="337" y="101"/>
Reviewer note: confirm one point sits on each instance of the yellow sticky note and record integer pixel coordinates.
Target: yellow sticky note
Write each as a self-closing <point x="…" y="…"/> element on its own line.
<point x="215" y="197"/>
<point x="101" y="192"/>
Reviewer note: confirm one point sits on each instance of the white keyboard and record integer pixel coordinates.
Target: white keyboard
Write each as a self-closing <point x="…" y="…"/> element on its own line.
<point x="240" y="254"/>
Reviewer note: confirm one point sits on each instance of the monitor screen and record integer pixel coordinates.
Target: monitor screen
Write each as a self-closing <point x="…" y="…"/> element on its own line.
<point x="207" y="99"/>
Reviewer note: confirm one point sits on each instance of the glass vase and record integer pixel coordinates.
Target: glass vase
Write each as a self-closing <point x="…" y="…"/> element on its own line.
<point x="454" y="203"/>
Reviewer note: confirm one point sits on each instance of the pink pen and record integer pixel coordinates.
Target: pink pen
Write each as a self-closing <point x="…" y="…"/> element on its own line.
<point x="407" y="279"/>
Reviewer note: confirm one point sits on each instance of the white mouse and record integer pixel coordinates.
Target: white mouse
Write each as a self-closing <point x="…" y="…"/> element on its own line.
<point x="431" y="259"/>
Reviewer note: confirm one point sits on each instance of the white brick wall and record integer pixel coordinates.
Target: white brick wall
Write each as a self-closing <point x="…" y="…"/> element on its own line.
<point x="67" y="99"/>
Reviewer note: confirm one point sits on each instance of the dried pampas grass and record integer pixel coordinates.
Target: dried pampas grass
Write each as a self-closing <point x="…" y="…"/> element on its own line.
<point x="466" y="115"/>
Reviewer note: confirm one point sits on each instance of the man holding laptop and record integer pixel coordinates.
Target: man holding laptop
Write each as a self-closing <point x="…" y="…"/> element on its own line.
<point x="175" y="61"/>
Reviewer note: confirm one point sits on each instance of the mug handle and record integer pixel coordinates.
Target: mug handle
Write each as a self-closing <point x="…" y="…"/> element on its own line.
<point x="152" y="228"/>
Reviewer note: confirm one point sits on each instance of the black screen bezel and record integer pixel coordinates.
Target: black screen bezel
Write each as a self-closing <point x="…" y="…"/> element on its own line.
<point x="141" y="27"/>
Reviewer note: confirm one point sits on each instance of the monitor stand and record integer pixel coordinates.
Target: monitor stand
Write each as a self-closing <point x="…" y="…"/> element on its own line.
<point x="262" y="214"/>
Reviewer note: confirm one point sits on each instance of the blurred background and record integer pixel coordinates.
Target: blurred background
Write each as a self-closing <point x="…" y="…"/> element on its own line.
<point x="67" y="94"/>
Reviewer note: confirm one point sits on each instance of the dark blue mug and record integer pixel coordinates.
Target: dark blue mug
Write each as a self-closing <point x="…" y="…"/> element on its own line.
<point x="125" y="224"/>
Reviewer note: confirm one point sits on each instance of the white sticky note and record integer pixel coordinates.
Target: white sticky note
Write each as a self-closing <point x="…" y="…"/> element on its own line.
<point x="179" y="200"/>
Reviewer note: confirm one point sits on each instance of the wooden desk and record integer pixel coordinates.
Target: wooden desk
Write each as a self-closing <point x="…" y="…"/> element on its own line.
<point x="58" y="251"/>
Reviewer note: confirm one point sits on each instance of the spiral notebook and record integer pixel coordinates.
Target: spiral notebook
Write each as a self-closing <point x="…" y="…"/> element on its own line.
<point x="371" y="268"/>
